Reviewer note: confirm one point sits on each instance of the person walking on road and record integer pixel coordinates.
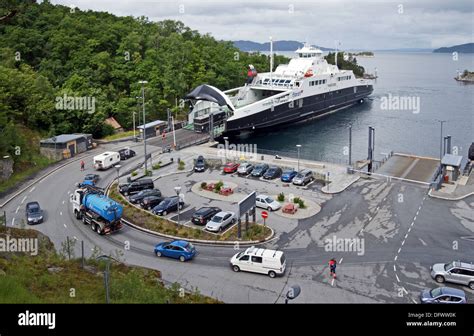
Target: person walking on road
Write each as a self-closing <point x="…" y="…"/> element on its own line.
<point x="82" y="165"/>
<point x="332" y="267"/>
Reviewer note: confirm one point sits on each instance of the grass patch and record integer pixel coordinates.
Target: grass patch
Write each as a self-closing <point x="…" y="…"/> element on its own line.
<point x="158" y="224"/>
<point x="181" y="165"/>
<point x="118" y="136"/>
<point x="26" y="279"/>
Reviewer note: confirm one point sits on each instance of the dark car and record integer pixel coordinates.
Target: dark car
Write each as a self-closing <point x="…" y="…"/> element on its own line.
<point x="126" y="153"/>
<point x="288" y="175"/>
<point x="443" y="295"/>
<point x="150" y="202"/>
<point x="91" y="179"/>
<point x="144" y="193"/>
<point x="259" y="170"/>
<point x="168" y="205"/>
<point x="200" y="164"/>
<point x="204" y="215"/>
<point x="272" y="173"/>
<point x="34" y="214"/>
<point x="136" y="186"/>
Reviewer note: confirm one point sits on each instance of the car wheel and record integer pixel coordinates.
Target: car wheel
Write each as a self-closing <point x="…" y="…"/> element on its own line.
<point x="439" y="279"/>
<point x="158" y="253"/>
<point x="233" y="220"/>
<point x="180" y="207"/>
<point x="78" y="216"/>
<point x="165" y="213"/>
<point x="471" y="285"/>
<point x="182" y="258"/>
<point x="93" y="227"/>
<point x="98" y="229"/>
<point x="236" y="268"/>
<point x="271" y="274"/>
<point x="126" y="193"/>
<point x="84" y="219"/>
<point x="269" y="208"/>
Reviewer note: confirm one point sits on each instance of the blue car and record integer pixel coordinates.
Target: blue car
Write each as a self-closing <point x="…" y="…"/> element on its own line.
<point x="177" y="249"/>
<point x="288" y="175"/>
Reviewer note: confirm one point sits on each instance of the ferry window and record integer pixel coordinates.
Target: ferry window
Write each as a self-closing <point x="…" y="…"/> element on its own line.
<point x="265" y="81"/>
<point x="288" y="81"/>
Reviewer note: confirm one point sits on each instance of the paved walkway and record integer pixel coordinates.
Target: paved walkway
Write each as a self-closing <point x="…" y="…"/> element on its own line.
<point x="454" y="192"/>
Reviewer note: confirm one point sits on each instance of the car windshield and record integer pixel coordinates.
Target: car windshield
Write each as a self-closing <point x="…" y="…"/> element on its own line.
<point x="269" y="200"/>
<point x="89" y="177"/>
<point x="189" y="246"/>
<point x="448" y="266"/>
<point x="435" y="292"/>
<point x="165" y="202"/>
<point x="299" y="176"/>
<point x="288" y="172"/>
<point x="33" y="208"/>
<point x="271" y="171"/>
<point x="217" y="219"/>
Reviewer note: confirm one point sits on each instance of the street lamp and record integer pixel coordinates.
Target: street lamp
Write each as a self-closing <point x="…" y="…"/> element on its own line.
<point x="178" y="191"/>
<point x="143" y="82"/>
<point x="225" y="147"/>
<point x="441" y="140"/>
<point x="298" y="147"/>
<point x="118" y="173"/>
<point x="106" y="274"/>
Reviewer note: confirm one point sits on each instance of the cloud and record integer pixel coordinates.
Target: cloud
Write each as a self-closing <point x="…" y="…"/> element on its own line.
<point x="365" y="24"/>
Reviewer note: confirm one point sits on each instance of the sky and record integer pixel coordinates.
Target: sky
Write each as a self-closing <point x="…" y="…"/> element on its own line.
<point x="356" y="24"/>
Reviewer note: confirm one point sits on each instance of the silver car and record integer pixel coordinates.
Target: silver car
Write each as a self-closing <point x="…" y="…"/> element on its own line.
<point x="245" y="168"/>
<point x="220" y="221"/>
<point x="461" y="273"/>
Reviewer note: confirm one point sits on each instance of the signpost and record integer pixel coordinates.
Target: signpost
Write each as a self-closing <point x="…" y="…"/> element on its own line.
<point x="245" y="205"/>
<point x="264" y="216"/>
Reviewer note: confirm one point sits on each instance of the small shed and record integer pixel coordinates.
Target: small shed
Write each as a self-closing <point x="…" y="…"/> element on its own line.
<point x="153" y="129"/>
<point x="65" y="145"/>
<point x="451" y="166"/>
<point x="114" y="123"/>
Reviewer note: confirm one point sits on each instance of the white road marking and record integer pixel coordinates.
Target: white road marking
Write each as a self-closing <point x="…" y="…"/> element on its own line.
<point x="399" y="250"/>
<point x="65" y="226"/>
<point x="60" y="213"/>
<point x="332" y="282"/>
<point x="406" y="236"/>
<point x="412" y="223"/>
<point x="398" y="279"/>
<point x="370" y="218"/>
<point x="403" y="242"/>
<point x="417" y="212"/>
<point x="409" y="229"/>
<point x="17" y="209"/>
<point x="340" y="261"/>
<point x="13" y="221"/>
<point x="377" y="209"/>
<point x="64" y="202"/>
<point x="75" y="238"/>
<point x="414" y="219"/>
<point x="396" y="257"/>
<point x="394" y="268"/>
<point x="413" y="300"/>
<point x="23" y="200"/>
<point x="32" y="189"/>
<point x="421" y="240"/>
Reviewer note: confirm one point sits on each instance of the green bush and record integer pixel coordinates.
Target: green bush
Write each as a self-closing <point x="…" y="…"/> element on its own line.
<point x="134" y="173"/>
<point x="203" y="185"/>
<point x="296" y="200"/>
<point x="148" y="173"/>
<point x="218" y="186"/>
<point x="281" y="197"/>
<point x="301" y="204"/>
<point x="156" y="166"/>
<point x="181" y="165"/>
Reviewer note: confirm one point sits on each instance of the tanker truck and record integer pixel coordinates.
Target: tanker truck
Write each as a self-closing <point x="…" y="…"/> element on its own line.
<point x="102" y="213"/>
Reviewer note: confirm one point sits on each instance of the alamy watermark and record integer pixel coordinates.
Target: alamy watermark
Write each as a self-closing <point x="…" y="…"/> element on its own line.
<point x="335" y="244"/>
<point x="241" y="151"/>
<point x="71" y="103"/>
<point x="13" y="245"/>
<point x="400" y="103"/>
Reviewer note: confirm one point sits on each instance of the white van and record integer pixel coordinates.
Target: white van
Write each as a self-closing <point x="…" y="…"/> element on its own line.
<point x="106" y="160"/>
<point x="259" y="260"/>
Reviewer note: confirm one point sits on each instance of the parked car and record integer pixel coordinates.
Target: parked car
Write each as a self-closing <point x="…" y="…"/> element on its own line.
<point x="136" y="186"/>
<point x="126" y="153"/>
<point x="259" y="260"/>
<point x="461" y="273"/>
<point x="144" y="193"/>
<point x="34" y="213"/>
<point x="204" y="215"/>
<point x="220" y="221"/>
<point x="266" y="202"/>
<point x="91" y="179"/>
<point x="303" y="177"/>
<point x="245" y="168"/>
<point x="288" y="175"/>
<point x="443" y="295"/>
<point x="177" y="249"/>
<point x="150" y="202"/>
<point x="168" y="205"/>
<point x="272" y="173"/>
<point x="200" y="164"/>
<point x="231" y="167"/>
<point x="259" y="170"/>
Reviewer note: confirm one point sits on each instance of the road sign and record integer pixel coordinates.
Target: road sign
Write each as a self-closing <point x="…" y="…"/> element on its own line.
<point x="264" y="214"/>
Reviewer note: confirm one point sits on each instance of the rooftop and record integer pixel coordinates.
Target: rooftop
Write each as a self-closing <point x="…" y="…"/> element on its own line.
<point x="451" y="160"/>
<point x="152" y="124"/>
<point x="63" y="138"/>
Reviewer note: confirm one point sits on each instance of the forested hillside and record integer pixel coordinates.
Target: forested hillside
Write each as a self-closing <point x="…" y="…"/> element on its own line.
<point x="48" y="51"/>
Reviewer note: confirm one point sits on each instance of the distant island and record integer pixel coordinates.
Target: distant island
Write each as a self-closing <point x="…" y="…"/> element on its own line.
<point x="362" y="54"/>
<point x="277" y="46"/>
<point x="467" y="48"/>
<point x="466" y="76"/>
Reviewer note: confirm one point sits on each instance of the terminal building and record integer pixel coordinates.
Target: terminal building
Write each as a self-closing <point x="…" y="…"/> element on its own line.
<point x="65" y="145"/>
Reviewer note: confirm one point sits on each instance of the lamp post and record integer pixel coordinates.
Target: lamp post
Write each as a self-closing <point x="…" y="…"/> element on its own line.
<point x="178" y="190"/>
<point x="225" y="147"/>
<point x="134" y="137"/>
<point x="143" y="82"/>
<point x="106" y="275"/>
<point x="298" y="147"/>
<point x="118" y="173"/>
<point x="441" y="140"/>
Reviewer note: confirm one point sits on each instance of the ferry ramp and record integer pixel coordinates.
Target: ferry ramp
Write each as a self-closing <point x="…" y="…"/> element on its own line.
<point x="409" y="167"/>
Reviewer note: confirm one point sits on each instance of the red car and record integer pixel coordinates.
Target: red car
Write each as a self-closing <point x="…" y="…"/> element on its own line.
<point x="231" y="167"/>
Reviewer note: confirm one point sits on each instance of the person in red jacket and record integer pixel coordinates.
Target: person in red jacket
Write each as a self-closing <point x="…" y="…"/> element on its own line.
<point x="332" y="267"/>
<point x="82" y="165"/>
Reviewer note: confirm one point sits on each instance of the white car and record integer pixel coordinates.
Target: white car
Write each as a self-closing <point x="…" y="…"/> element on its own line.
<point x="220" y="221"/>
<point x="259" y="260"/>
<point x="245" y="168"/>
<point x="268" y="203"/>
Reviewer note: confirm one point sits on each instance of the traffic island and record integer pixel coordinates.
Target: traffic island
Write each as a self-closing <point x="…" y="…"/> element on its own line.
<point x="148" y="222"/>
<point x="218" y="190"/>
<point x="304" y="207"/>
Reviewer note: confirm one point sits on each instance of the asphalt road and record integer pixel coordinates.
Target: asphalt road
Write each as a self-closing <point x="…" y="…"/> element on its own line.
<point x="394" y="265"/>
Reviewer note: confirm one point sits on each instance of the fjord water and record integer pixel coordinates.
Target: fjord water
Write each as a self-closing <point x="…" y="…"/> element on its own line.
<point x="428" y="76"/>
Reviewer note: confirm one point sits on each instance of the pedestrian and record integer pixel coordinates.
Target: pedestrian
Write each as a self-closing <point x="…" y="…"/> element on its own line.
<point x="82" y="165"/>
<point x="332" y="267"/>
